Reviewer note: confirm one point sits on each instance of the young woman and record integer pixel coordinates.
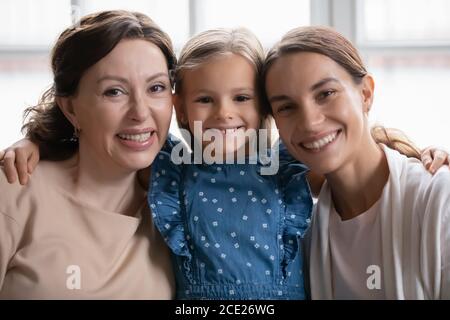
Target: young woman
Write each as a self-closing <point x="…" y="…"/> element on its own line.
<point x="381" y="226"/>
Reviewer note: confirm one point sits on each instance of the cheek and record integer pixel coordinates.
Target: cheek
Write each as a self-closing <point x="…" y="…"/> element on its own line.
<point x="257" y="117"/>
<point x="194" y="113"/>
<point x="283" y="126"/>
<point x="286" y="135"/>
<point x="352" y="114"/>
<point x="283" y="130"/>
<point x="162" y="118"/>
<point x="100" y="121"/>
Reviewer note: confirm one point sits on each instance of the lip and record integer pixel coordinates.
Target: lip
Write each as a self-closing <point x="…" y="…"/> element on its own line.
<point x="138" y="145"/>
<point x="227" y="130"/>
<point x="318" y="137"/>
<point x="137" y="131"/>
<point x="224" y="127"/>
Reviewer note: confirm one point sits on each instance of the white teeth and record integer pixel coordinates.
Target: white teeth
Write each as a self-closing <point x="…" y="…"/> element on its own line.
<point x="321" y="142"/>
<point x="227" y="131"/>
<point x="142" y="137"/>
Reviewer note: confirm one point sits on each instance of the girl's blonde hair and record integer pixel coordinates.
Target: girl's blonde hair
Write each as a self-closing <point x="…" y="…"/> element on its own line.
<point x="330" y="43"/>
<point x="215" y="42"/>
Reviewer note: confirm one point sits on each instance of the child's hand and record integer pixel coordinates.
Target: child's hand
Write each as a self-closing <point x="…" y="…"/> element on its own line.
<point x="20" y="159"/>
<point x="433" y="158"/>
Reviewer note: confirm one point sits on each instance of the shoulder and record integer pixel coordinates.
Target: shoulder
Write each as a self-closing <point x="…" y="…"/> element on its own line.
<point x="422" y="190"/>
<point x="17" y="201"/>
<point x="420" y="180"/>
<point x="413" y="175"/>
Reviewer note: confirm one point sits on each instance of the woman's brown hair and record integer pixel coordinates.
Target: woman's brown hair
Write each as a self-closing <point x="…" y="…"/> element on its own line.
<point x="330" y="43"/>
<point x="76" y="50"/>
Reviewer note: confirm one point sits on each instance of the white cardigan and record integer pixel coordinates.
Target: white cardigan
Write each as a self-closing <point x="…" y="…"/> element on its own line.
<point x="415" y="233"/>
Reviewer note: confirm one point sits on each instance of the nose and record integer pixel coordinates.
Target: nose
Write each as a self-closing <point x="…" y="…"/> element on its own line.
<point x="310" y="117"/>
<point x="140" y="108"/>
<point x="224" y="110"/>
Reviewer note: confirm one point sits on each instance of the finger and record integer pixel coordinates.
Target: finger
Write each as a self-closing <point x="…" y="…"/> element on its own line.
<point x="2" y="154"/>
<point x="21" y="167"/>
<point x="10" y="168"/>
<point x="426" y="159"/>
<point x="439" y="157"/>
<point x="32" y="162"/>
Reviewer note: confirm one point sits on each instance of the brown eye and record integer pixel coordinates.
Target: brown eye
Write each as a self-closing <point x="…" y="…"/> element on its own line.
<point x="157" y="88"/>
<point x="284" y="109"/>
<point x="242" y="98"/>
<point x="204" y="100"/>
<point x="113" y="92"/>
<point x="325" y="94"/>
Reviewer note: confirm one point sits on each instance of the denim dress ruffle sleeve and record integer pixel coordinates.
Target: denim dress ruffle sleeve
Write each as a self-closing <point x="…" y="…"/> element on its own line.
<point x="233" y="232"/>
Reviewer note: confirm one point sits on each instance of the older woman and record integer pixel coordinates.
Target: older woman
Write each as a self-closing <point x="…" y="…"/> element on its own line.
<point x="80" y="227"/>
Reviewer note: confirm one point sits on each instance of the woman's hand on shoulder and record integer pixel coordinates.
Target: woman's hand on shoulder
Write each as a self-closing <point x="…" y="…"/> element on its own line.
<point x="19" y="160"/>
<point x="435" y="157"/>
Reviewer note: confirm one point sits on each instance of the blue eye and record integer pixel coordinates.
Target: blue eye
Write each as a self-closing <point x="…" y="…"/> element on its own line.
<point x="113" y="92"/>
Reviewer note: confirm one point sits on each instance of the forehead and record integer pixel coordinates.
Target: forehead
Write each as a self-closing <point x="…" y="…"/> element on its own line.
<point x="224" y="70"/>
<point x="302" y="68"/>
<point x="302" y="62"/>
<point x="132" y="56"/>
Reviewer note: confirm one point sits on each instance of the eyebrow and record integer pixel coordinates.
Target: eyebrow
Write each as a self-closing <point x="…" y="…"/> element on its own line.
<point x="244" y="89"/>
<point x="124" y="80"/>
<point x="323" y="82"/>
<point x="234" y="90"/>
<point x="315" y="86"/>
<point x="279" y="98"/>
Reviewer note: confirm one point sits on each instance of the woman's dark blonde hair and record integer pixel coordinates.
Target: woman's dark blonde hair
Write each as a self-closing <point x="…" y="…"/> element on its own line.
<point x="215" y="42"/>
<point x="330" y="43"/>
<point x="76" y="50"/>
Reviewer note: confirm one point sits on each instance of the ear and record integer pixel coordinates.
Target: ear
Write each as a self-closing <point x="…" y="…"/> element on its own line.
<point x="66" y="106"/>
<point x="368" y="87"/>
<point x="179" y="110"/>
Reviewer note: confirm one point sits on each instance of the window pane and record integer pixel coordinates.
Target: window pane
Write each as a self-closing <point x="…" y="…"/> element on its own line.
<point x="171" y="15"/>
<point x="269" y="20"/>
<point x="409" y="95"/>
<point x="406" y="21"/>
<point x="23" y="77"/>
<point x="32" y="24"/>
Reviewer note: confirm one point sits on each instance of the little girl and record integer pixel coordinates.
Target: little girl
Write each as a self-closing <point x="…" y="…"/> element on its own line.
<point x="233" y="231"/>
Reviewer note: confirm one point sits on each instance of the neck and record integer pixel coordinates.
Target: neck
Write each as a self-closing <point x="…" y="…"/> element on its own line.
<point x="105" y="186"/>
<point x="359" y="183"/>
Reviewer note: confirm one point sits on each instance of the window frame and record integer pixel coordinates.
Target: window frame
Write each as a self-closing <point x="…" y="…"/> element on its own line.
<point x="346" y="17"/>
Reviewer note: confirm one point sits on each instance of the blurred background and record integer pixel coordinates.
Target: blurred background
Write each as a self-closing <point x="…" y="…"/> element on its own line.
<point x="405" y="44"/>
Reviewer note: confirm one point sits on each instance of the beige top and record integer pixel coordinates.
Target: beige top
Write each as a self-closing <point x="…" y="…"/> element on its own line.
<point x="52" y="246"/>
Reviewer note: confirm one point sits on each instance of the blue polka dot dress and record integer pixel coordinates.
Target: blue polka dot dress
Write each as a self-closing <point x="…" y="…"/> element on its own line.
<point x="233" y="233"/>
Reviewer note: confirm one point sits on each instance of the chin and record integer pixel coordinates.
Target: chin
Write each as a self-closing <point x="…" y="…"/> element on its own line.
<point x="138" y="162"/>
<point x="322" y="167"/>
